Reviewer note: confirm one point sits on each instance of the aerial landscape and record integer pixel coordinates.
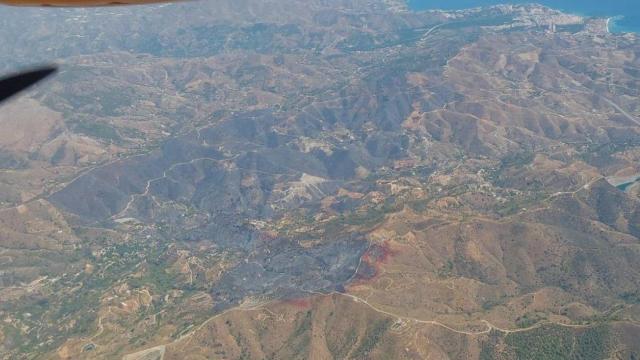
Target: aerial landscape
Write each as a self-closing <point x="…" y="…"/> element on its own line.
<point x="320" y="179"/>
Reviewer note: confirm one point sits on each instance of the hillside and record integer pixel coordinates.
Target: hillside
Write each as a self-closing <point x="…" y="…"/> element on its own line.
<point x="327" y="179"/>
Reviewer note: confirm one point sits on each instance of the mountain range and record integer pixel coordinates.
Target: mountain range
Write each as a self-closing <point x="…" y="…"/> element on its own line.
<point x="326" y="179"/>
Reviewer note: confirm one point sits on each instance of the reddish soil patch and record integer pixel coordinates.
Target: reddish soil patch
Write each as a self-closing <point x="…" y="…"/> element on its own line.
<point x="268" y="236"/>
<point x="302" y="303"/>
<point x="376" y="255"/>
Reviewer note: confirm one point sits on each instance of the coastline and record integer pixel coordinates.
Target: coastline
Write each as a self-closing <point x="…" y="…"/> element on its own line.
<point x="617" y="26"/>
<point x="613" y="25"/>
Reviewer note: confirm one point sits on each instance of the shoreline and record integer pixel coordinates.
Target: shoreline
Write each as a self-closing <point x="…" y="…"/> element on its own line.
<point x="611" y="26"/>
<point x="614" y="27"/>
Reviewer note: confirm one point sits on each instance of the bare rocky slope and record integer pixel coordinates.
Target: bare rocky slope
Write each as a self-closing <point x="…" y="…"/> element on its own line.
<point x="320" y="179"/>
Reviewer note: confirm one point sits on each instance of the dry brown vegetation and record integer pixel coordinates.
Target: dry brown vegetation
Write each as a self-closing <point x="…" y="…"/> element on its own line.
<point x="337" y="180"/>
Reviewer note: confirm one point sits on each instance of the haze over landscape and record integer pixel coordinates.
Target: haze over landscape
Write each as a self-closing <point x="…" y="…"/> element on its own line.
<point x="625" y="13"/>
<point x="320" y="179"/>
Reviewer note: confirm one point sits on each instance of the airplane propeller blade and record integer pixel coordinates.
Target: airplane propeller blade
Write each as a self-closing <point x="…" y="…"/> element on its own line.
<point x="13" y="84"/>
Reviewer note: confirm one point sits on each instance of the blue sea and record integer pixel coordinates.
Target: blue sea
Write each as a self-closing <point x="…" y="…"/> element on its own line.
<point x="626" y="12"/>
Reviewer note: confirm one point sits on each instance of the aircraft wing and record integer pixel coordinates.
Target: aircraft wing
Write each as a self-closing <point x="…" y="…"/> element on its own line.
<point x="77" y="3"/>
<point x="13" y="84"/>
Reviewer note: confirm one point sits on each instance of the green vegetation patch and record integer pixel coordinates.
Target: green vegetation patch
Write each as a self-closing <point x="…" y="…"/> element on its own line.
<point x="155" y="277"/>
<point x="340" y="348"/>
<point x="371" y="338"/>
<point x="299" y="341"/>
<point x="601" y="154"/>
<point x="366" y="217"/>
<point x="512" y="161"/>
<point x="593" y="343"/>
<point x="556" y="342"/>
<point x="516" y="203"/>
<point x="98" y="130"/>
<point x="631" y="297"/>
<point x="530" y="319"/>
<point x="446" y="270"/>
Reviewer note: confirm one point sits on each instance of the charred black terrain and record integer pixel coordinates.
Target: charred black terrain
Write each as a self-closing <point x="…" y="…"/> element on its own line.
<point x="340" y="179"/>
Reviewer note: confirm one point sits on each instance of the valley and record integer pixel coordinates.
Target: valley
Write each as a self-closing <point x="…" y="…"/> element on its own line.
<point x="343" y="179"/>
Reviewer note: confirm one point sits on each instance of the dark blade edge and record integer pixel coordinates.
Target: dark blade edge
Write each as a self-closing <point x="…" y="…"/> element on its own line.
<point x="13" y="84"/>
